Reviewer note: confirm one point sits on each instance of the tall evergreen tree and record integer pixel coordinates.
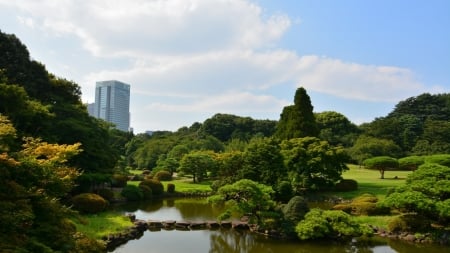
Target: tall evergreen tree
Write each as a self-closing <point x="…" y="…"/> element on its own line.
<point x="298" y="120"/>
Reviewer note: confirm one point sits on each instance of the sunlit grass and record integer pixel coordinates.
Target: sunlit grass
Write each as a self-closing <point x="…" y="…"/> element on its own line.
<point x="369" y="181"/>
<point x="184" y="186"/>
<point x="378" y="221"/>
<point x="102" y="224"/>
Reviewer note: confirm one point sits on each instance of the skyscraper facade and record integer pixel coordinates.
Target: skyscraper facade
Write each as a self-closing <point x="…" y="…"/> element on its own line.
<point x="112" y="103"/>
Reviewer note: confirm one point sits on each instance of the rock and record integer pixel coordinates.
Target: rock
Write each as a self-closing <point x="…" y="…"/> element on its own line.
<point x="410" y="238"/>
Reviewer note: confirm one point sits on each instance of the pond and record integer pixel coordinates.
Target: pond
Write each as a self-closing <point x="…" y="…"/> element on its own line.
<point x="232" y="241"/>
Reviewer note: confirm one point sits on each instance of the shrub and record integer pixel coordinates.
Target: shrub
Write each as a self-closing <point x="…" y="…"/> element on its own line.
<point x="346" y="185"/>
<point x="366" y="197"/>
<point x="163" y="175"/>
<point x="132" y="193"/>
<point x="146" y="172"/>
<point x="295" y="209"/>
<point x="343" y="207"/>
<point x="119" y="180"/>
<point x="137" y="178"/>
<point x="170" y="188"/>
<point x="156" y="186"/>
<point x="106" y="193"/>
<point x="443" y="159"/>
<point x="410" y="162"/>
<point x="409" y="223"/>
<point x="146" y="191"/>
<point x="284" y="191"/>
<point x="89" y="203"/>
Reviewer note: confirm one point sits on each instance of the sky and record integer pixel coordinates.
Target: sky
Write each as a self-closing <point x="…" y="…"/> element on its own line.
<point x="187" y="60"/>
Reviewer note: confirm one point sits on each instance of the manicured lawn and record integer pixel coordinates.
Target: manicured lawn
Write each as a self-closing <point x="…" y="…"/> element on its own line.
<point x="102" y="224"/>
<point x="369" y="181"/>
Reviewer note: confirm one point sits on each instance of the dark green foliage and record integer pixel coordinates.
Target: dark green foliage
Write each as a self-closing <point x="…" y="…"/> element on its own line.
<point x="442" y="159"/>
<point x="198" y="164"/>
<point x="410" y="162"/>
<point x="89" y="203"/>
<point x="330" y="224"/>
<point x="163" y="175"/>
<point x="297" y="120"/>
<point x="409" y="223"/>
<point x="146" y="192"/>
<point x="170" y="188"/>
<point x="295" y="209"/>
<point x="313" y="164"/>
<point x="119" y="180"/>
<point x="88" y="182"/>
<point x="336" y="128"/>
<point x="367" y="147"/>
<point x="346" y="185"/>
<point x="226" y="127"/>
<point x="106" y="193"/>
<point x="283" y="191"/>
<point x="381" y="163"/>
<point x="366" y="197"/>
<point x="132" y="193"/>
<point x="263" y="162"/>
<point x="156" y="186"/>
<point x="365" y="204"/>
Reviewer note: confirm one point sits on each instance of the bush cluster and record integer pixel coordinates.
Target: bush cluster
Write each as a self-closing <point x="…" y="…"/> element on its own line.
<point x="106" y="193"/>
<point x="346" y="185"/>
<point x="119" y="180"/>
<point x="156" y="186"/>
<point x="132" y="193"/>
<point x="409" y="223"/>
<point x="163" y="175"/>
<point x="89" y="203"/>
<point x="146" y="192"/>
<point x="365" y="204"/>
<point x="170" y="188"/>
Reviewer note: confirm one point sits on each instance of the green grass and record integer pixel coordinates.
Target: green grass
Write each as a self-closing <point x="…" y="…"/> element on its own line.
<point x="378" y="221"/>
<point x="102" y="224"/>
<point x="369" y="181"/>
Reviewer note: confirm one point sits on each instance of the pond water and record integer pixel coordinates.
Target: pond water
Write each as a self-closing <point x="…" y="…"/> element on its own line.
<point x="232" y="241"/>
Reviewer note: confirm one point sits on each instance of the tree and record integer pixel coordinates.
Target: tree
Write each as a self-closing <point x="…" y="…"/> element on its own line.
<point x="32" y="180"/>
<point x="245" y="197"/>
<point x="366" y="147"/>
<point x="426" y="193"/>
<point x="263" y="162"/>
<point x="297" y="120"/>
<point x="197" y="164"/>
<point x="313" y="164"/>
<point x="336" y="128"/>
<point x="381" y="163"/>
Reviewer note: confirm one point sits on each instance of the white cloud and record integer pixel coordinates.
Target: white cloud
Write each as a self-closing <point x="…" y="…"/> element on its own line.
<point x="201" y="56"/>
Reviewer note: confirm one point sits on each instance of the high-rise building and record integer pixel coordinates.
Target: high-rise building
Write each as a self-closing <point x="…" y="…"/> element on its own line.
<point x="112" y="103"/>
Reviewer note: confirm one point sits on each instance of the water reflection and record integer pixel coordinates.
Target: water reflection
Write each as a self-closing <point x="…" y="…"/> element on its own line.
<point x="232" y="241"/>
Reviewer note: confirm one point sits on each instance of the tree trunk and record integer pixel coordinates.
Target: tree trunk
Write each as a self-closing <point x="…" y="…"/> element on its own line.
<point x="382" y="173"/>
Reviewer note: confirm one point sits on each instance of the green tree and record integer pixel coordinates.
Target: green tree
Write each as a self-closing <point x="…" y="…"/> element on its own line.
<point x="336" y="128"/>
<point x="245" y="197"/>
<point x="198" y="164"/>
<point x="381" y="163"/>
<point x="297" y="120"/>
<point x="263" y="162"/>
<point x="366" y="147"/>
<point x="313" y="164"/>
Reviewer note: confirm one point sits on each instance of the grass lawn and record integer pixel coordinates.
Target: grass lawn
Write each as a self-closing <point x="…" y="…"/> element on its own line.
<point x="369" y="181"/>
<point x="102" y="224"/>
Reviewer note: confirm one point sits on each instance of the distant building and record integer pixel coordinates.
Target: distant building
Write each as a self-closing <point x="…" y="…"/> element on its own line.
<point x="91" y="109"/>
<point x="112" y="103"/>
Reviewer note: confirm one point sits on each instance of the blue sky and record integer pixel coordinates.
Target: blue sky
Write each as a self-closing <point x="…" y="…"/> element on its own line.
<point x="189" y="59"/>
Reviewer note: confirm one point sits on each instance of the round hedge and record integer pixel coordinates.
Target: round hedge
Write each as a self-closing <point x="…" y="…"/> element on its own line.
<point x="119" y="180"/>
<point x="106" y="193"/>
<point x="163" y="175"/>
<point x="89" y="203"/>
<point x="346" y="185"/>
<point x="170" y="188"/>
<point x="132" y="193"/>
<point x="156" y="186"/>
<point x="146" y="191"/>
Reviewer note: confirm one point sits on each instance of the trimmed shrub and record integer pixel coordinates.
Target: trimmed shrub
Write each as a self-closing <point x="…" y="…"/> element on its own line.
<point x="106" y="193"/>
<point x="146" y="191"/>
<point x="89" y="203"/>
<point x="132" y="193"/>
<point x="170" y="188"/>
<point x="366" y="197"/>
<point x="409" y="223"/>
<point x="119" y="180"/>
<point x="163" y="175"/>
<point x="146" y="172"/>
<point x="156" y="186"/>
<point x="346" y="185"/>
<point x="442" y="159"/>
<point x="295" y="209"/>
<point x="410" y="162"/>
<point x="343" y="207"/>
<point x="137" y="178"/>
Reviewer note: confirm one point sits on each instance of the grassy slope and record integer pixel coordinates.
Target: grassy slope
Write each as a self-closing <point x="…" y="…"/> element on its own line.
<point x="102" y="224"/>
<point x="369" y="181"/>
